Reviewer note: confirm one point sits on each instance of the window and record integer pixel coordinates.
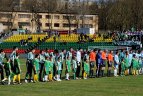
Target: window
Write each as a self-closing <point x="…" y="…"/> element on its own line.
<point x="47" y="24"/>
<point x="23" y="23"/>
<point x="71" y="25"/>
<point x="69" y="17"/>
<point x="24" y="16"/>
<point x="48" y="16"/>
<point x="56" y="25"/>
<point x="90" y="25"/>
<point x="89" y="18"/>
<point x="65" y="25"/>
<point x="86" y="17"/>
<point x="5" y="15"/>
<point x="6" y="23"/>
<point x="56" y="17"/>
<point x="39" y="16"/>
<point x="65" y="17"/>
<point x="73" y="17"/>
<point x="86" y="25"/>
<point x="40" y="24"/>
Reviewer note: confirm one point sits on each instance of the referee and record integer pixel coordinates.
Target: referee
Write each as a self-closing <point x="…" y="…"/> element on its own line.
<point x="29" y="65"/>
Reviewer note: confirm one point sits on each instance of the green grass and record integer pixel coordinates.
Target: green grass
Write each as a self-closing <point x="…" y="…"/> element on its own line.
<point x="119" y="86"/>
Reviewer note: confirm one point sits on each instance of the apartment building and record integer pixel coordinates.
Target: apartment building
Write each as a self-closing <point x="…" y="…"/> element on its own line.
<point x="16" y="20"/>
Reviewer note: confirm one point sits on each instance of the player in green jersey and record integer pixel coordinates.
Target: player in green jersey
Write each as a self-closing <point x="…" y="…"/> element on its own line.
<point x="7" y="68"/>
<point x="36" y="68"/>
<point x="122" y="67"/>
<point x="51" y="70"/>
<point x="135" y="65"/>
<point x="86" y="69"/>
<point x="68" y="67"/>
<point x="13" y="56"/>
<point x="126" y="60"/>
<point x="74" y="67"/>
<point x="46" y="69"/>
<point x="17" y="69"/>
<point x="59" y="69"/>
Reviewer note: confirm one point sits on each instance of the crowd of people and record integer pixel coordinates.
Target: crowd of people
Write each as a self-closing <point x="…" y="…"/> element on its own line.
<point x="70" y="64"/>
<point x="125" y="35"/>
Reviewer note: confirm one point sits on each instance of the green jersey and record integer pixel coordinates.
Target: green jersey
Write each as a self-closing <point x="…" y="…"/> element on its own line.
<point x="51" y="66"/>
<point x="68" y="64"/>
<point x="47" y="66"/>
<point x="135" y="63"/>
<point x="7" y="66"/>
<point x="86" y="67"/>
<point x="36" y="64"/>
<point x="16" y="66"/>
<point x="126" y="60"/>
<point x="123" y="66"/>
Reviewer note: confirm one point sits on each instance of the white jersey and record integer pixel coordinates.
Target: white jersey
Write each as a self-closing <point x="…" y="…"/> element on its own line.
<point x="137" y="55"/>
<point x="116" y="59"/>
<point x="42" y="58"/>
<point x="130" y="58"/>
<point x="86" y="56"/>
<point x="69" y="54"/>
<point x="46" y="54"/>
<point x="13" y="55"/>
<point x="53" y="57"/>
<point x="78" y="56"/>
<point x="59" y="65"/>
<point x="62" y="56"/>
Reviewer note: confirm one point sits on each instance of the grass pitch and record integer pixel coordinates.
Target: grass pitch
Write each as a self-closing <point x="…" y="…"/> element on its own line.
<point x="113" y="86"/>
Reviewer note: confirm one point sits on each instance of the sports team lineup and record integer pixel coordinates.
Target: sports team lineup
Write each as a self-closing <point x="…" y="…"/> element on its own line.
<point x="72" y="64"/>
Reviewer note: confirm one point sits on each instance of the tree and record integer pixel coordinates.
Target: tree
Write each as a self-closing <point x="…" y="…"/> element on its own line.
<point x="11" y="7"/>
<point x="51" y="6"/>
<point x="124" y="14"/>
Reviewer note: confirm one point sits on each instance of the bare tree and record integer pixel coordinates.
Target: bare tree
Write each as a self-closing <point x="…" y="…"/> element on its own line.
<point x="51" y="6"/>
<point x="10" y="6"/>
<point x="34" y="6"/>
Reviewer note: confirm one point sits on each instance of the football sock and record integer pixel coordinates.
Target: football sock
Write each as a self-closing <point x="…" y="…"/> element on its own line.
<point x="9" y="80"/>
<point x="18" y="78"/>
<point x="74" y="76"/>
<point x="45" y="78"/>
<point x="84" y="75"/>
<point x="14" y="78"/>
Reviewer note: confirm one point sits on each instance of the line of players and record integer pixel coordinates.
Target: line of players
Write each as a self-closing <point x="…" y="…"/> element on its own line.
<point x="48" y="66"/>
<point x="11" y="66"/>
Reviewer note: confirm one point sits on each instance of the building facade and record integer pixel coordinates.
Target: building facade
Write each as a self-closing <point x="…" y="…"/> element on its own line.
<point x="15" y="20"/>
